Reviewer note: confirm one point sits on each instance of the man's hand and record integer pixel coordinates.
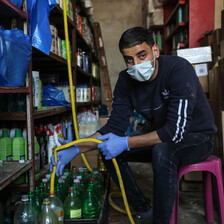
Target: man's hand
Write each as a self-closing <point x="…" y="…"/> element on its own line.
<point x="114" y="145"/>
<point x="64" y="157"/>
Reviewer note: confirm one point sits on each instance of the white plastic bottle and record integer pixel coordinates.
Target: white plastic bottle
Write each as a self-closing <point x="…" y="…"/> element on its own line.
<point x="50" y="146"/>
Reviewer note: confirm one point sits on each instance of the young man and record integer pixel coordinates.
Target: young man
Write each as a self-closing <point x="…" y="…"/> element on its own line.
<point x="166" y="91"/>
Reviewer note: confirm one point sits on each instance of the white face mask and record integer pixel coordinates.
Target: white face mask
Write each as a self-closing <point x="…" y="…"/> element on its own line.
<point x="142" y="72"/>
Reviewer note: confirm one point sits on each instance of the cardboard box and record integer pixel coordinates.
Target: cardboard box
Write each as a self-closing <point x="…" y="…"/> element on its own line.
<point x="102" y="121"/>
<point x="196" y="55"/>
<point x="78" y="161"/>
<point x="202" y="73"/>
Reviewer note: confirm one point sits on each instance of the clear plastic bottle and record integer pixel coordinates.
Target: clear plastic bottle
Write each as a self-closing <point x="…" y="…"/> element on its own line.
<point x="25" y="213"/>
<point x="57" y="207"/>
<point x="72" y="206"/>
<point x="47" y="216"/>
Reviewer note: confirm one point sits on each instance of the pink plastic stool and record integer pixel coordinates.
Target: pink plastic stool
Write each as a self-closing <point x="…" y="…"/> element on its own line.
<point x="211" y="165"/>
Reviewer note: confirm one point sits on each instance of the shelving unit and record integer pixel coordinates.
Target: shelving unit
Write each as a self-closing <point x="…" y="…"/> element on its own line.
<point x="45" y="64"/>
<point x="184" y="29"/>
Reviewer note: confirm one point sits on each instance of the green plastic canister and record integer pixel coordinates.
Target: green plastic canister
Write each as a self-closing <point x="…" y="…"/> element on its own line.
<point x="5" y="146"/>
<point x="18" y="146"/>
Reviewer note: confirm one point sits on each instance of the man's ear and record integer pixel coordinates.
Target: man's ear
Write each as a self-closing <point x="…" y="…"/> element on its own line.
<point x="155" y="47"/>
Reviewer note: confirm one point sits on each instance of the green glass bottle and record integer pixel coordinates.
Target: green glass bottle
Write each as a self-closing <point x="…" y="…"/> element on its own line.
<point x="37" y="199"/>
<point x="57" y="207"/>
<point x="63" y="188"/>
<point x="59" y="193"/>
<point x="43" y="193"/>
<point x="47" y="216"/>
<point x="72" y="206"/>
<point x="90" y="208"/>
<point x="34" y="203"/>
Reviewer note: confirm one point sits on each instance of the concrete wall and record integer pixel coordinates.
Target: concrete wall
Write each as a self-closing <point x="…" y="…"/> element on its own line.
<point x="115" y="16"/>
<point x="219" y="6"/>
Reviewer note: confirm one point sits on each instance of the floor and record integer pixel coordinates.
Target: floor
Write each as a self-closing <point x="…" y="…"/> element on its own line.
<point x="191" y="208"/>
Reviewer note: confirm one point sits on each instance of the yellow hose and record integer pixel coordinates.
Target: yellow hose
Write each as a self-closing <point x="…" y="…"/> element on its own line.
<point x="76" y="126"/>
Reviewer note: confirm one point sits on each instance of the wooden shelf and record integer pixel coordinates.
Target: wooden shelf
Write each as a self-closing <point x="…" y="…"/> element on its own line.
<point x="9" y="10"/>
<point x="21" y="116"/>
<point x="180" y="2"/>
<point x="50" y="111"/>
<point x="12" y="170"/>
<point x="52" y="62"/>
<point x="14" y="90"/>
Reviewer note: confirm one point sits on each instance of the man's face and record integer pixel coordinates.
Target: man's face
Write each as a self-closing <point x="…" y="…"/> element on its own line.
<point x="138" y="54"/>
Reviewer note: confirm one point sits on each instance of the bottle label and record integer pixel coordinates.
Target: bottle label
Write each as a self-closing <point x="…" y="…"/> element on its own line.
<point x="75" y="214"/>
<point x="60" y="215"/>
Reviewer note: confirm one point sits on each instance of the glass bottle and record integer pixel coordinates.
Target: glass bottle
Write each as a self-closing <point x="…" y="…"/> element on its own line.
<point x="47" y="216"/>
<point x="89" y="204"/>
<point x="34" y="202"/>
<point x="72" y="206"/>
<point x="25" y="213"/>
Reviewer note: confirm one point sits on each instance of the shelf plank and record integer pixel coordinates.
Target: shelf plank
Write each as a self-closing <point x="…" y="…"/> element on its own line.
<point x="50" y="111"/>
<point x="180" y="2"/>
<point x="12" y="170"/>
<point x="14" y="90"/>
<point x="21" y="116"/>
<point x="40" y="60"/>
<point x="9" y="10"/>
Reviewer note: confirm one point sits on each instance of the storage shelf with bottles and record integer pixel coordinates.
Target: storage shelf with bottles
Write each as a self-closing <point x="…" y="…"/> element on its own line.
<point x="13" y="170"/>
<point x="158" y="30"/>
<point x="185" y="21"/>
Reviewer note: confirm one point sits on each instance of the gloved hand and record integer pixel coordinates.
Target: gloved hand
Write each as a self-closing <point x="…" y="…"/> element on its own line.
<point x="64" y="156"/>
<point x="114" y="145"/>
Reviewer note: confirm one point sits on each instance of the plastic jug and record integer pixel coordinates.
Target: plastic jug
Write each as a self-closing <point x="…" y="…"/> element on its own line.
<point x="5" y="146"/>
<point x="18" y="146"/>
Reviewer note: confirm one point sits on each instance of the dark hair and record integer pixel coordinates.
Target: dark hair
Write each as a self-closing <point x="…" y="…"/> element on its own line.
<point x="135" y="36"/>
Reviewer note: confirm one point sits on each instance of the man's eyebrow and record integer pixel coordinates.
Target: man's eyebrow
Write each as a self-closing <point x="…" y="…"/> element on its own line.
<point x="140" y="52"/>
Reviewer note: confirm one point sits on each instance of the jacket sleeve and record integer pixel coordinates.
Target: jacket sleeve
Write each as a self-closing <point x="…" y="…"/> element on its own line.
<point x="122" y="109"/>
<point x="182" y="85"/>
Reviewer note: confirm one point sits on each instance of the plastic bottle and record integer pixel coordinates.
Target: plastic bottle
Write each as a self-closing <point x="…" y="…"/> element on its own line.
<point x="90" y="209"/>
<point x="47" y="215"/>
<point x="1" y="169"/>
<point x="63" y="188"/>
<point x="51" y="145"/>
<point x="154" y="37"/>
<point x="25" y="213"/>
<point x="72" y="206"/>
<point x="18" y="146"/>
<point x="57" y="207"/>
<point x="64" y="130"/>
<point x="159" y="40"/>
<point x="58" y="134"/>
<point x="5" y="146"/>
<point x="69" y="132"/>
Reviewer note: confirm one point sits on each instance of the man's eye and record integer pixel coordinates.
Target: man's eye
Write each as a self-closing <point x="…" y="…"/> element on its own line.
<point x="128" y="60"/>
<point x="142" y="56"/>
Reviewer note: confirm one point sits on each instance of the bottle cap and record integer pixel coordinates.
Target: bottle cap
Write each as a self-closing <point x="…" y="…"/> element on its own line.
<point x="46" y="201"/>
<point x="52" y="194"/>
<point x="44" y="180"/>
<point x="76" y="181"/>
<point x="71" y="189"/>
<point x="5" y="133"/>
<point x="25" y="198"/>
<point x="92" y="179"/>
<point x="79" y="177"/>
<point x="17" y="133"/>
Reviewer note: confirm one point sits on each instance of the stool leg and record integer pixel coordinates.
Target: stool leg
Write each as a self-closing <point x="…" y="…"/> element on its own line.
<point x="208" y="196"/>
<point x="220" y="192"/>
<point x="173" y="217"/>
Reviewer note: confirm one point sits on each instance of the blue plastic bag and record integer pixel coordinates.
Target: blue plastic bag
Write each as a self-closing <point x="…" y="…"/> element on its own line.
<point x="38" y="17"/>
<point x="18" y="3"/>
<point x="17" y="58"/>
<point x="3" y="56"/>
<point x="53" y="97"/>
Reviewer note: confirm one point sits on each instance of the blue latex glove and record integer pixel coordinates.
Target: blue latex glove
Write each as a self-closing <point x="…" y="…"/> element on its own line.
<point x="64" y="157"/>
<point x="114" y="145"/>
